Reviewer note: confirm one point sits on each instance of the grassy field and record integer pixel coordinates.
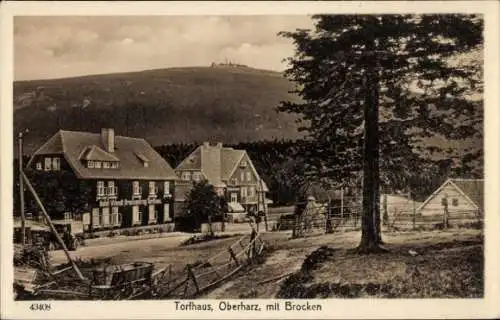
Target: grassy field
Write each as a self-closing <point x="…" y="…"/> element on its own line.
<point x="447" y="264"/>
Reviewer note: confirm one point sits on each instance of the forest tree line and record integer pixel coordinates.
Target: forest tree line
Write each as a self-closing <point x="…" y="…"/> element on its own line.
<point x="281" y="163"/>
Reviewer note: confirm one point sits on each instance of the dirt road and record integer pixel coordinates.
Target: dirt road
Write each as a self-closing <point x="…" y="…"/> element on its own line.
<point x="139" y="249"/>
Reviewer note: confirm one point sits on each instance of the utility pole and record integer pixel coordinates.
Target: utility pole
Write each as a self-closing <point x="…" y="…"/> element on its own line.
<point x="342" y="202"/>
<point x="21" y="189"/>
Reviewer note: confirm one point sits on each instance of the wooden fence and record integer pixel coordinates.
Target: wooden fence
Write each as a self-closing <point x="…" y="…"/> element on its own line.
<point x="199" y="278"/>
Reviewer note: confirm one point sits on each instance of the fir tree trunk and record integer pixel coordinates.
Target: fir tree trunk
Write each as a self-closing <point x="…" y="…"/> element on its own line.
<point x="370" y="220"/>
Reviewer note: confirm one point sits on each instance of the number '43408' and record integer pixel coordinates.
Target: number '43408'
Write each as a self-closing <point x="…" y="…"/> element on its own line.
<point x="40" y="307"/>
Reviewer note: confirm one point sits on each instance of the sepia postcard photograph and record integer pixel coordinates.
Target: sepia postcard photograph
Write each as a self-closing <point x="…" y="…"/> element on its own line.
<point x="250" y="160"/>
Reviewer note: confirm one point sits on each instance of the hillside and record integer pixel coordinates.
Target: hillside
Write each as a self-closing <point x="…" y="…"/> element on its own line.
<point x="164" y="106"/>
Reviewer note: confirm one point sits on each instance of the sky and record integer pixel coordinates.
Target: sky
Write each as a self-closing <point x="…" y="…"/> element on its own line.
<point x="67" y="46"/>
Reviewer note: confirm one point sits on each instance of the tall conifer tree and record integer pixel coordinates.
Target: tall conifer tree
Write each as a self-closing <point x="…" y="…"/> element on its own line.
<point x="375" y="87"/>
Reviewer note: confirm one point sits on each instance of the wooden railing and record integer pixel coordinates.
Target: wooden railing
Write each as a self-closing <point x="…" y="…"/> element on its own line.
<point x="202" y="277"/>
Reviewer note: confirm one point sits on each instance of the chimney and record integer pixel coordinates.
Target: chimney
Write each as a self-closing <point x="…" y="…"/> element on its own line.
<point x="108" y="139"/>
<point x="219" y="145"/>
<point x="206" y="144"/>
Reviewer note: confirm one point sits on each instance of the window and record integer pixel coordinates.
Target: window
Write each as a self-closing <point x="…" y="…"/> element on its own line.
<point x="115" y="216"/>
<point x="90" y="164"/>
<point x="186" y="176"/>
<point x="242" y="176"/>
<point x="86" y="219"/>
<point x="243" y="164"/>
<point x="249" y="176"/>
<point x="166" y="187"/>
<point x="152" y="189"/>
<point x="97" y="164"/>
<point x="233" y="181"/>
<point x="105" y="217"/>
<point x="95" y="217"/>
<point x="111" y="188"/>
<point x="135" y="188"/>
<point x="234" y="197"/>
<point x="56" y="164"/>
<point x="105" y="165"/>
<point x="39" y="166"/>
<point x="196" y="176"/>
<point x="243" y="192"/>
<point x="454" y="202"/>
<point x="48" y="164"/>
<point x="136" y="215"/>
<point x="114" y="164"/>
<point x="151" y="213"/>
<point x="251" y="191"/>
<point x="100" y="188"/>
<point x="166" y="212"/>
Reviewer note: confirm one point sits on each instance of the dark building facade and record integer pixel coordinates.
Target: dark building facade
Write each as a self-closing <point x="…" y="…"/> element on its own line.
<point x="129" y="183"/>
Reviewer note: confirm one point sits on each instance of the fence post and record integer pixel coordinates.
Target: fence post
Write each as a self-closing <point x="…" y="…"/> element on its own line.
<point x="328" y="222"/>
<point x="342" y="203"/>
<point x="445" y="212"/>
<point x="414" y="214"/>
<point x="385" y="215"/>
<point x="192" y="276"/>
<point x="233" y="256"/>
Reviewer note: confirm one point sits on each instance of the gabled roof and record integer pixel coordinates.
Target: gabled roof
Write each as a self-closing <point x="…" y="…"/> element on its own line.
<point x="230" y="159"/>
<point x="74" y="145"/>
<point x="471" y="189"/>
<point x="216" y="163"/>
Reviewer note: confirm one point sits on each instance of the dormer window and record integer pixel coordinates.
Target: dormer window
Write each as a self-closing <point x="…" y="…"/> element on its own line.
<point x="143" y="159"/>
